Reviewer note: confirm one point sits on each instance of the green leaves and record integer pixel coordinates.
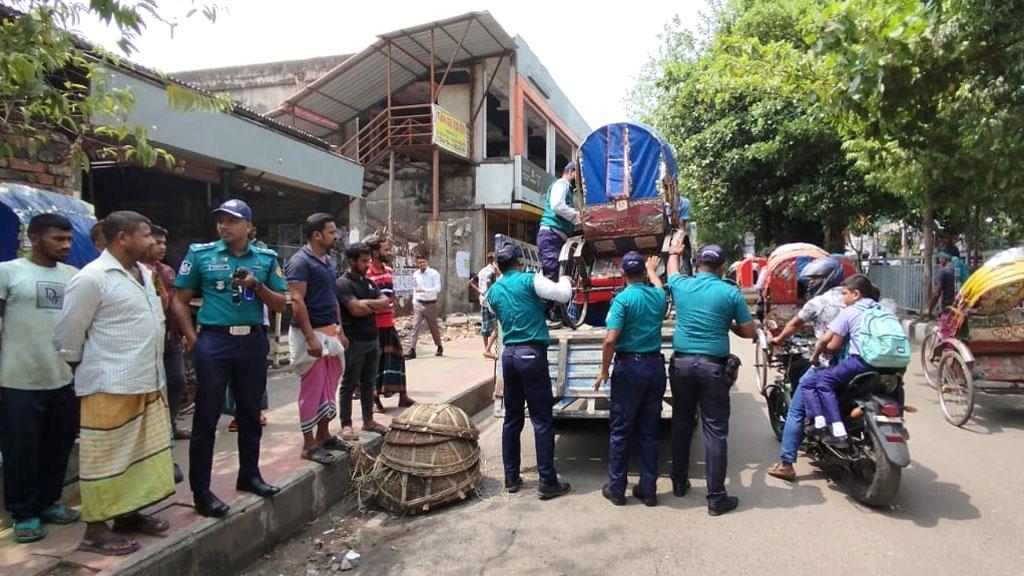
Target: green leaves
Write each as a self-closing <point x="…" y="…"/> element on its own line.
<point x="50" y="82"/>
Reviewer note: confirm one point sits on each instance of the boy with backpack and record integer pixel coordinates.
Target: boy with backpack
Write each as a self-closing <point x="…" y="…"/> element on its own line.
<point x="876" y="341"/>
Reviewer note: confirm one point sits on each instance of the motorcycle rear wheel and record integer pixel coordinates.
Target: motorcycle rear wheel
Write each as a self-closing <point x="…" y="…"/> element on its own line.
<point x="875" y="482"/>
<point x="778" y="408"/>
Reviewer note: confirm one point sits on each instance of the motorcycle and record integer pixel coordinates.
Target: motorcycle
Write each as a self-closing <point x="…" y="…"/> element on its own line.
<point x="872" y="463"/>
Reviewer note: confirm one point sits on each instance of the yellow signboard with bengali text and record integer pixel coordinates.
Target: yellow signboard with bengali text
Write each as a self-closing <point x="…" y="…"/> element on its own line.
<point x="450" y="133"/>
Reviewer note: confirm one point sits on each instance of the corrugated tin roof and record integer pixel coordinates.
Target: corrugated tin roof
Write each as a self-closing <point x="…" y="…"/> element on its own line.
<point x="361" y="81"/>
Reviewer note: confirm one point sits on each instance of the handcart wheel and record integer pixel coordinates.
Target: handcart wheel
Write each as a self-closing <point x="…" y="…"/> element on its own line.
<point x="930" y="357"/>
<point x="956" y="388"/>
<point x="575" y="311"/>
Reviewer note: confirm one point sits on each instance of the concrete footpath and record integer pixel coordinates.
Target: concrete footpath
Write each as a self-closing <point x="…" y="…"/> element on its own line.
<point x="203" y="546"/>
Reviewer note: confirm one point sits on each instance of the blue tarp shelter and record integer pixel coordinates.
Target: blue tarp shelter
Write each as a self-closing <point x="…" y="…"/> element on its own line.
<point x="20" y="202"/>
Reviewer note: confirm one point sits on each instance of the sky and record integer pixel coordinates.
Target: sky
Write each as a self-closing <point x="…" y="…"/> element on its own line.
<point x="594" y="53"/>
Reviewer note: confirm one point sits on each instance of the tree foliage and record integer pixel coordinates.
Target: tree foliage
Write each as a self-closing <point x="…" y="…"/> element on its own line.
<point x="52" y="81"/>
<point x="804" y="115"/>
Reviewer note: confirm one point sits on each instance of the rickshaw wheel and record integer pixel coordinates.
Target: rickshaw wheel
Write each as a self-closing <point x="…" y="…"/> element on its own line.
<point x="930" y="358"/>
<point x="761" y="361"/>
<point x="956" y="388"/>
<point x="574" y="312"/>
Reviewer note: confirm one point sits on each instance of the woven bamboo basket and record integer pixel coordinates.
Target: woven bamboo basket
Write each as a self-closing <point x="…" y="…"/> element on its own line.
<point x="430" y="458"/>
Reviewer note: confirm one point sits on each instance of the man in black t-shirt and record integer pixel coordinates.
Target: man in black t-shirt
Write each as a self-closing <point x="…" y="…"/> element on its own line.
<point x="359" y="300"/>
<point x="945" y="284"/>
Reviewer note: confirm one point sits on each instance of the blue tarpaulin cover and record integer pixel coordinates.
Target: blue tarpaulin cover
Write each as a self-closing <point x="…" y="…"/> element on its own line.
<point x="20" y="202"/>
<point x="624" y="160"/>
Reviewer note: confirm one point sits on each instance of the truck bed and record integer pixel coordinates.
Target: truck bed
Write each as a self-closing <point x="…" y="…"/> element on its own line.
<point x="574" y="358"/>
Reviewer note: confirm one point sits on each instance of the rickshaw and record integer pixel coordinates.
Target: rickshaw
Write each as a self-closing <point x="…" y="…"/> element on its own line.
<point x="629" y="200"/>
<point x="979" y="348"/>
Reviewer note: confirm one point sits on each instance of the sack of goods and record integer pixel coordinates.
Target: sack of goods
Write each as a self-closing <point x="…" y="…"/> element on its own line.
<point x="430" y="458"/>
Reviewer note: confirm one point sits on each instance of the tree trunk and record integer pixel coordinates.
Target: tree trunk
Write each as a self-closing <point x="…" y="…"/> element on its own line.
<point x="928" y="229"/>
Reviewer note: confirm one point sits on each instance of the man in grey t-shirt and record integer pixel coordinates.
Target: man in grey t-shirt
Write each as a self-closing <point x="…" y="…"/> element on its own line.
<point x="38" y="408"/>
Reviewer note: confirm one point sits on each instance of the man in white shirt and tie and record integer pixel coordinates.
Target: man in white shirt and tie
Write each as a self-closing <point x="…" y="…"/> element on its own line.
<point x="427" y="287"/>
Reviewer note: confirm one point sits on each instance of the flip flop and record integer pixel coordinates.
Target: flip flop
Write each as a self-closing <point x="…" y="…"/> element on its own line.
<point x="375" y="427"/>
<point x="335" y="443"/>
<point x="116" y="545"/>
<point x="319" y="455"/>
<point x="60" y="514"/>
<point x="31" y="530"/>
<point x="777" y="471"/>
<point x="348" y="434"/>
<point x="142" y="524"/>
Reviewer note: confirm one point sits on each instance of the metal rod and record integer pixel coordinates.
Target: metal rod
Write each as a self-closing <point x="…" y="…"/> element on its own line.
<point x="391" y="194"/>
<point x="437" y="186"/>
<point x="410" y="55"/>
<point x="455" y="55"/>
<point x="483" y="97"/>
<point x="432" y="59"/>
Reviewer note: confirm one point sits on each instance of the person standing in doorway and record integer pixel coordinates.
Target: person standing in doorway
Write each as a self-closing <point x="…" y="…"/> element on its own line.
<point x="38" y="407"/>
<point x="316" y="341"/>
<point x="111" y="332"/>
<point x="235" y="279"/>
<point x="360" y="302"/>
<point x="426" y="290"/>
<point x="391" y="366"/>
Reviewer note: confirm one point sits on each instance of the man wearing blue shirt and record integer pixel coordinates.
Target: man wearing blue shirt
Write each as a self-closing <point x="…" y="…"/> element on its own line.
<point x="707" y="308"/>
<point x="517" y="299"/>
<point x="235" y="278"/>
<point x="638" y="382"/>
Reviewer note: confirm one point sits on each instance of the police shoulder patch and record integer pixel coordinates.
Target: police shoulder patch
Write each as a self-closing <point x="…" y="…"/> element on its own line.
<point x="186" y="267"/>
<point x="264" y="251"/>
<point x="202" y="246"/>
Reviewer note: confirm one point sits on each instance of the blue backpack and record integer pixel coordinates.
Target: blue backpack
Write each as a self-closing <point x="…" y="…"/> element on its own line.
<point x="883" y="342"/>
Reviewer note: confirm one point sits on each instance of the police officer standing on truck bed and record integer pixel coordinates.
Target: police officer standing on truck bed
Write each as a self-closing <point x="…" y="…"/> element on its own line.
<point x="517" y="299"/>
<point x="235" y="278"/>
<point x="702" y="370"/>
<point x="638" y="383"/>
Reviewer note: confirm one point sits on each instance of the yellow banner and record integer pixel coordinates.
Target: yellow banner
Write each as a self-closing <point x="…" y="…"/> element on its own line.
<point x="450" y="133"/>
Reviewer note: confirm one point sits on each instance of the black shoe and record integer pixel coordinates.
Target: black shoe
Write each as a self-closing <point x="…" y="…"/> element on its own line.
<point x="513" y="485"/>
<point x="178" y="476"/>
<point x="647" y="499"/>
<point x="440" y="351"/>
<point x="209" y="505"/>
<point x="727" y="504"/>
<point x="410" y="355"/>
<point x="549" y="491"/>
<point x="257" y="486"/>
<point x="679" y="489"/>
<point x="617" y="499"/>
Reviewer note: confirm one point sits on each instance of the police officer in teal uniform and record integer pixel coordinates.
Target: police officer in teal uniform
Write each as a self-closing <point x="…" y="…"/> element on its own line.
<point x="517" y="299"/>
<point x="702" y="370"/>
<point x="638" y="382"/>
<point x="235" y="278"/>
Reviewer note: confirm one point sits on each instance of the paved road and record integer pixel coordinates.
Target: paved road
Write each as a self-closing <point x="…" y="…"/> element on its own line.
<point x="959" y="511"/>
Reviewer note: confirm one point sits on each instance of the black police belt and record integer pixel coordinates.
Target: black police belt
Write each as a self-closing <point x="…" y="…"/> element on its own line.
<point x="621" y="356"/>
<point x="241" y="330"/>
<point x="705" y="358"/>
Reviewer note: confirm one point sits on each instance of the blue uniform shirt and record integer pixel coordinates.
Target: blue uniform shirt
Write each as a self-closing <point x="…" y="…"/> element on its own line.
<point x="519" y="309"/>
<point x="637" y="313"/>
<point x="207" y="269"/>
<point x="706" y="307"/>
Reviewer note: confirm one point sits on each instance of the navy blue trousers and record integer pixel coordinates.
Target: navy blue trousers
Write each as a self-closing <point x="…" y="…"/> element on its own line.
<point x="820" y="388"/>
<point x="528" y="383"/>
<point x="220" y="359"/>
<point x="549" y="244"/>
<point x="703" y="383"/>
<point x="638" y="385"/>
<point x="37" y="433"/>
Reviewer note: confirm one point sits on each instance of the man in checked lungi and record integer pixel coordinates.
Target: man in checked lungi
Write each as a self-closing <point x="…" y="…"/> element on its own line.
<point x="111" y="332"/>
<point x="316" y="339"/>
<point x="391" y="365"/>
